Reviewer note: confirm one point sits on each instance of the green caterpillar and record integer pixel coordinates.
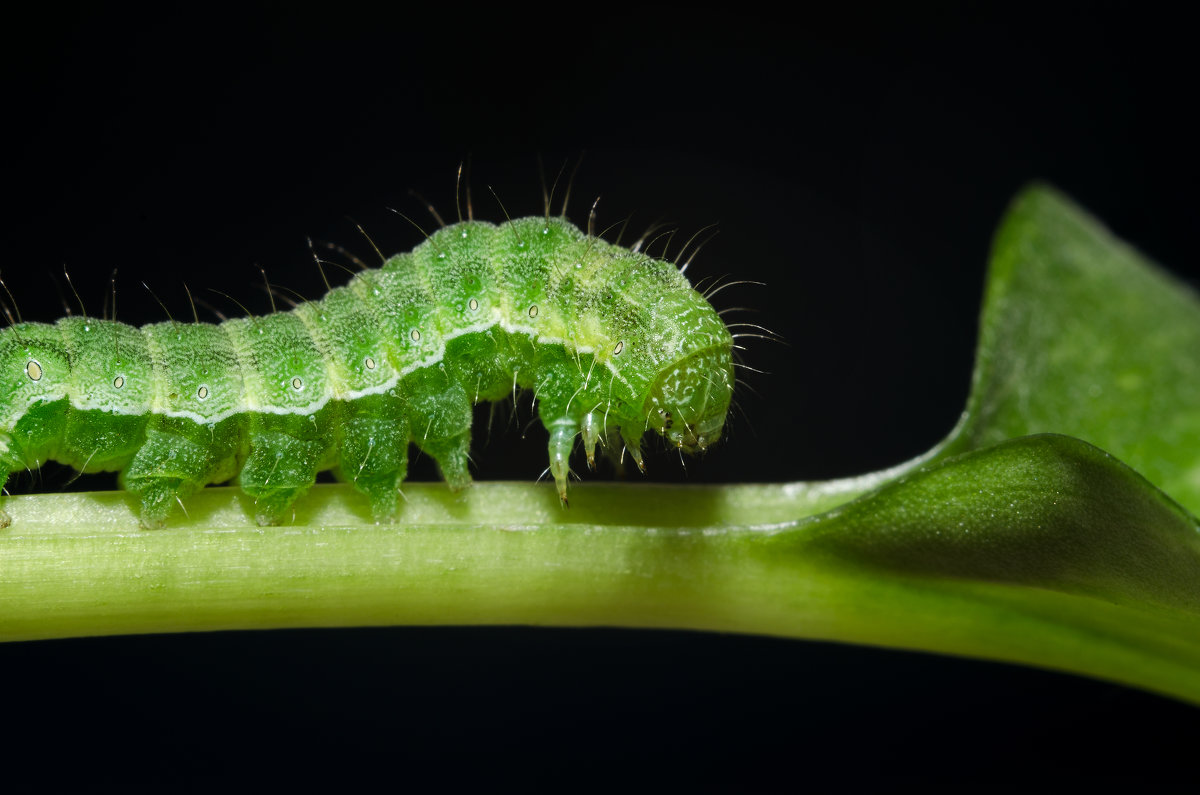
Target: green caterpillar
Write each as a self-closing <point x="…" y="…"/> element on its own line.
<point x="612" y="341"/>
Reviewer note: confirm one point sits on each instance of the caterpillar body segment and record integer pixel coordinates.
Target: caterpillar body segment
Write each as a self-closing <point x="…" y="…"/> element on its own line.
<point x="612" y="342"/>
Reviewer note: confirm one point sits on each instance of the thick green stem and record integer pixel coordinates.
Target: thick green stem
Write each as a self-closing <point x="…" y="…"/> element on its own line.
<point x="77" y="564"/>
<point x="729" y="558"/>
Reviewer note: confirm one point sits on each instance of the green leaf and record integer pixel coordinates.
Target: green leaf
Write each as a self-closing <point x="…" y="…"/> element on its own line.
<point x="1051" y="528"/>
<point x="1082" y="336"/>
<point x="1043" y="550"/>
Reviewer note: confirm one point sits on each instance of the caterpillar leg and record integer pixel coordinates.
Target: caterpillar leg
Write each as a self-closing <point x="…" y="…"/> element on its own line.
<point x="178" y="458"/>
<point x="562" y="441"/>
<point x="374" y="454"/>
<point x="633" y="443"/>
<point x="591" y="430"/>
<point x="282" y="465"/>
<point x="630" y="445"/>
<point x="452" y="454"/>
<point x="441" y="427"/>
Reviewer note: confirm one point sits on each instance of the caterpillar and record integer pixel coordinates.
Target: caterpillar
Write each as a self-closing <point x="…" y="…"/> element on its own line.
<point x="614" y="343"/>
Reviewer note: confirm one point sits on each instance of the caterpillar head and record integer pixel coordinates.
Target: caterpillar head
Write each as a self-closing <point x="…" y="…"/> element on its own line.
<point x="690" y="399"/>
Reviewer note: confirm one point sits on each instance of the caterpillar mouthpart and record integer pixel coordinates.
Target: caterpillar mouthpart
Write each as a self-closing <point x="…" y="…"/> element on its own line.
<point x="690" y="399"/>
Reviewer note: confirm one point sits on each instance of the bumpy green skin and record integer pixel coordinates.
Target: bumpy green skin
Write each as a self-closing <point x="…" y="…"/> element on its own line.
<point x="613" y="343"/>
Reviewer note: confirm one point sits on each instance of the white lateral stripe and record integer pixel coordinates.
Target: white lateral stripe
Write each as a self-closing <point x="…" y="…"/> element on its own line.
<point x="83" y="404"/>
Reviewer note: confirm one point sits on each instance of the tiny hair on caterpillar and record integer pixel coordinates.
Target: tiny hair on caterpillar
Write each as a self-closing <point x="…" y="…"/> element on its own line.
<point x="613" y="343"/>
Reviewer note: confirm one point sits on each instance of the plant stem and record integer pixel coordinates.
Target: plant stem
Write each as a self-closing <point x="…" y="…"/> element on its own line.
<point x="705" y="558"/>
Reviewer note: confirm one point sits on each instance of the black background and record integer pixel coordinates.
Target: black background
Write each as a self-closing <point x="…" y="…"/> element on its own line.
<point x="856" y="161"/>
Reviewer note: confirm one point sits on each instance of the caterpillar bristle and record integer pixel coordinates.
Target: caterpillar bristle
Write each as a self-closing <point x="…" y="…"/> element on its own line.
<point x="191" y="301"/>
<point x="562" y="212"/>
<point x="363" y="232"/>
<point x="362" y="266"/>
<point x="415" y="225"/>
<point x="428" y="207"/>
<point x="239" y="304"/>
<point x="591" y="225"/>
<point x="67" y="276"/>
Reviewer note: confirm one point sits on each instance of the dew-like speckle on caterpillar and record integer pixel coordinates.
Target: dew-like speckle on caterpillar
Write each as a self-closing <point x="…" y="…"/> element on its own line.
<point x="614" y="343"/>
